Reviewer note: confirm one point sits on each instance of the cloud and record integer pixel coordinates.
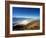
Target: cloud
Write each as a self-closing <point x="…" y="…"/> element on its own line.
<point x="33" y="17"/>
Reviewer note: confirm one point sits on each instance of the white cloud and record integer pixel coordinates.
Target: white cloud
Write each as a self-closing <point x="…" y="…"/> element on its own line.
<point x="34" y="17"/>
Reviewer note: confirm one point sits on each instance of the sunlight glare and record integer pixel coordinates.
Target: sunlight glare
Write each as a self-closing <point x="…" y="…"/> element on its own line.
<point x="24" y="22"/>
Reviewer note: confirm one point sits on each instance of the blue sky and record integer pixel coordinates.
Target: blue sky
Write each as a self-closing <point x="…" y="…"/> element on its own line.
<point x="29" y="12"/>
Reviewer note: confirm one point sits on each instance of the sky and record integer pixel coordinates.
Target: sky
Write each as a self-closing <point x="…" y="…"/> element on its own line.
<point x="26" y="12"/>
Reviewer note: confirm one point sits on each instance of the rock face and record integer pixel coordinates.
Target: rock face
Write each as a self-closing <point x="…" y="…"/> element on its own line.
<point x="34" y="25"/>
<point x="18" y="27"/>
